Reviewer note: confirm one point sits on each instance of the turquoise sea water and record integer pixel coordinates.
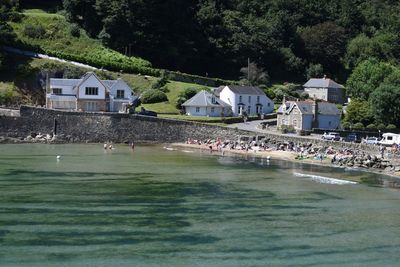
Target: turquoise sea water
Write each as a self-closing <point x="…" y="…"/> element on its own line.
<point x="157" y="207"/>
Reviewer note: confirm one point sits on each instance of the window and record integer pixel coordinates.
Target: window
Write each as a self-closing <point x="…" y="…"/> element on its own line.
<point x="258" y="109"/>
<point x="212" y="110"/>
<point x="91" y="91"/>
<point x="120" y="93"/>
<point x="269" y="104"/>
<point x="294" y="123"/>
<point x="249" y="99"/>
<point x="258" y="99"/>
<point x="248" y="109"/>
<point x="213" y="100"/>
<point x="57" y="91"/>
<point x="240" y="99"/>
<point x="91" y="106"/>
<point x="197" y="109"/>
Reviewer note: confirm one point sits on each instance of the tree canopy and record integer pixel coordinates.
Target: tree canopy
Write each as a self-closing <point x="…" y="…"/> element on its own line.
<point x="281" y="37"/>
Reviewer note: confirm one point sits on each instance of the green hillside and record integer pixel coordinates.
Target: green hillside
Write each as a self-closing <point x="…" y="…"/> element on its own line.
<point x="53" y="35"/>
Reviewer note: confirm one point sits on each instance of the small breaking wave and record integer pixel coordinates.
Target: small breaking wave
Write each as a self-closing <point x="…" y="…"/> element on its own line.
<point x="323" y="179"/>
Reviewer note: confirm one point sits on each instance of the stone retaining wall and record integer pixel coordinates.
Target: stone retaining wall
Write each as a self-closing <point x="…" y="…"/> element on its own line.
<point x="115" y="127"/>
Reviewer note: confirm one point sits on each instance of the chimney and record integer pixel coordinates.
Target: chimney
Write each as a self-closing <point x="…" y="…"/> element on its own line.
<point x="324" y="76"/>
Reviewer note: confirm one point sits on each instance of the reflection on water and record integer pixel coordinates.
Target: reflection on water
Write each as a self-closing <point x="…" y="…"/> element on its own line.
<point x="157" y="207"/>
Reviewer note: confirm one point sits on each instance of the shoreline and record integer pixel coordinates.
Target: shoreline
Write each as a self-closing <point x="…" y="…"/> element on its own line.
<point x="283" y="155"/>
<point x="269" y="153"/>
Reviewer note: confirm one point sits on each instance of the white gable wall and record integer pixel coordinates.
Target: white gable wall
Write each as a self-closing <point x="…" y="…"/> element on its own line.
<point x="92" y="81"/>
<point x="121" y="85"/>
<point x="233" y="99"/>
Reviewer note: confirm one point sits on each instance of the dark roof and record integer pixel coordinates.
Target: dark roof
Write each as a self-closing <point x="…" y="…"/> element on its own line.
<point x="246" y="90"/>
<point x="322" y="83"/>
<point x="306" y="107"/>
<point x="218" y="90"/>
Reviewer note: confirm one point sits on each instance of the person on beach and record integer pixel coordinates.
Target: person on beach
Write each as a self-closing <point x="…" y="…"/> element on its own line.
<point x="382" y="150"/>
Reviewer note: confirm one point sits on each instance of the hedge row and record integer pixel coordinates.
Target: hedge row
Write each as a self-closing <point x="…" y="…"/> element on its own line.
<point x="113" y="61"/>
<point x="190" y="78"/>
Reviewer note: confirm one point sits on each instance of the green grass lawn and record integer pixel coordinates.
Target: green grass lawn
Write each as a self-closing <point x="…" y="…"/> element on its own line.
<point x="169" y="106"/>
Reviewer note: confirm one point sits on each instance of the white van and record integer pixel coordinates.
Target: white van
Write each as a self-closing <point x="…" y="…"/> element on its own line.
<point x="389" y="139"/>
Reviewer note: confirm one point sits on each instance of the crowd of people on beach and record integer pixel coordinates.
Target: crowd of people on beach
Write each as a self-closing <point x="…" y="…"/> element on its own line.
<point x="301" y="151"/>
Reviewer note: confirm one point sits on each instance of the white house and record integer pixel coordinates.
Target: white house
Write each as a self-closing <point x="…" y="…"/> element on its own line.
<point x="88" y="94"/>
<point x="249" y="99"/>
<point x="206" y="104"/>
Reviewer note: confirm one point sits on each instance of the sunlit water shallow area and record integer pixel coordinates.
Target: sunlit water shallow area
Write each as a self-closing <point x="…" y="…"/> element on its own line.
<point x="159" y="207"/>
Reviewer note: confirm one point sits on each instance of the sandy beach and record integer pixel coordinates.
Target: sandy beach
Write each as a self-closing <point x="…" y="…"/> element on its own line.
<point x="274" y="154"/>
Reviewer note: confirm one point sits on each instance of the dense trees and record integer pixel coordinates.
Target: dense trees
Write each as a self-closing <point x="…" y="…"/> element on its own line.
<point x="217" y="37"/>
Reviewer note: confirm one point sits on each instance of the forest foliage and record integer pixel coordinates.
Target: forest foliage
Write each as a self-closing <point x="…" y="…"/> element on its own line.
<point x="283" y="37"/>
<point x="356" y="42"/>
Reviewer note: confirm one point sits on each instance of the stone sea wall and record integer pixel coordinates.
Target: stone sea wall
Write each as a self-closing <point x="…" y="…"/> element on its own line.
<point x="101" y="127"/>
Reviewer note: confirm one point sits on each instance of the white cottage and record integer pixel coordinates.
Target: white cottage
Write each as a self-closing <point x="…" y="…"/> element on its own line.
<point x="206" y="104"/>
<point x="88" y="94"/>
<point x="249" y="99"/>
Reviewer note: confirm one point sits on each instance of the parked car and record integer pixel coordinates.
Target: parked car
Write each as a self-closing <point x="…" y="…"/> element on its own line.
<point x="371" y="140"/>
<point x="331" y="136"/>
<point x="353" y="138"/>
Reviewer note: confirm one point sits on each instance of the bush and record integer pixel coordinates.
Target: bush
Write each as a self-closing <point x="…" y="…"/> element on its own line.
<point x="75" y="30"/>
<point x="358" y="126"/>
<point x="371" y="126"/>
<point x="391" y="127"/>
<point x="287" y="129"/>
<point x="34" y="31"/>
<point x="345" y="125"/>
<point x="153" y="96"/>
<point x="185" y="95"/>
<point x="381" y="126"/>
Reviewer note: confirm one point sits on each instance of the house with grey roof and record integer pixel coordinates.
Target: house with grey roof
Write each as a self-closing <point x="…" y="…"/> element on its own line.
<point x="305" y="115"/>
<point x="88" y="94"/>
<point x="248" y="100"/>
<point x="325" y="89"/>
<point x="206" y="104"/>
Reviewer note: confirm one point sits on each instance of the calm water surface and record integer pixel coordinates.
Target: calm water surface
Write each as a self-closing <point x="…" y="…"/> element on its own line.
<point x="156" y="207"/>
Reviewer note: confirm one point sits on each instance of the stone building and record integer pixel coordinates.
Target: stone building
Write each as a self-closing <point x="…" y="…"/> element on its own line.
<point x="325" y="89"/>
<point x="305" y="115"/>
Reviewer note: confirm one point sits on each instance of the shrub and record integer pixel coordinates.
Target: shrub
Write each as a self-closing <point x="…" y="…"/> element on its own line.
<point x="34" y="31"/>
<point x="75" y="30"/>
<point x="345" y="125"/>
<point x="381" y="126"/>
<point x="358" y="126"/>
<point x="287" y="129"/>
<point x="391" y="127"/>
<point x="153" y="96"/>
<point x="185" y="95"/>
<point x="161" y="82"/>
<point x="371" y="126"/>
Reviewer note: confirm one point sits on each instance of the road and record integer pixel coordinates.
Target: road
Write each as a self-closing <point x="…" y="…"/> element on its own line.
<point x="252" y="127"/>
<point x="38" y="55"/>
